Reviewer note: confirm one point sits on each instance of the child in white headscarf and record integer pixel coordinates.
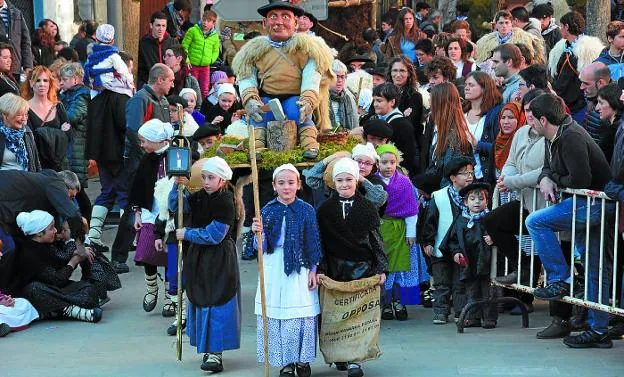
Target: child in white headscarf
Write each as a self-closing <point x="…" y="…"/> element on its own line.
<point x="154" y="136"/>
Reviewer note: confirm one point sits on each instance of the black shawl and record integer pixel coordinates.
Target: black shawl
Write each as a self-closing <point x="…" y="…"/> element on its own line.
<point x="142" y="191"/>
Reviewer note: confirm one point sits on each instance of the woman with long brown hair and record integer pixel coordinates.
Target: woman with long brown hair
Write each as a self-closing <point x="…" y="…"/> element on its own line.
<point x="447" y="135"/>
<point x="43" y="47"/>
<point x="401" y="72"/>
<point x="403" y="39"/>
<point x="482" y="106"/>
<point x="47" y="117"/>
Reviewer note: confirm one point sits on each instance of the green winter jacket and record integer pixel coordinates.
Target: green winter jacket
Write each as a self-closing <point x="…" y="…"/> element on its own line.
<point x="202" y="50"/>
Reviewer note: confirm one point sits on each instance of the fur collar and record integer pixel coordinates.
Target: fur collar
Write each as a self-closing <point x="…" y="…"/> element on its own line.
<point x="587" y="49"/>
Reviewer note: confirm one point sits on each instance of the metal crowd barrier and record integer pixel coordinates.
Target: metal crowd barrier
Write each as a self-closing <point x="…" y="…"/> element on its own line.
<point x="590" y="196"/>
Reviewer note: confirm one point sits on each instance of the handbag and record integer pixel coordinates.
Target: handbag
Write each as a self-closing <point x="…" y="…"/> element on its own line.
<point x="52" y="144"/>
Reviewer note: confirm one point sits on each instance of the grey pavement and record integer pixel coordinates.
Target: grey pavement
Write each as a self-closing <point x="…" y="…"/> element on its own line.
<point x="130" y="342"/>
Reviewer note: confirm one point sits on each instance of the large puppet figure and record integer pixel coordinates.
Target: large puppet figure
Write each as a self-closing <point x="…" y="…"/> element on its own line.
<point x="292" y="67"/>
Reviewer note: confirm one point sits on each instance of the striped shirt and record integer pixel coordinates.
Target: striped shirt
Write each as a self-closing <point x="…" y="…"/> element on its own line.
<point x="4" y="14"/>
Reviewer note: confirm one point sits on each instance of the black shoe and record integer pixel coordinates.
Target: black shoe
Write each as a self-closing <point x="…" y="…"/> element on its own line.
<point x="4" y="329"/>
<point x="303" y="370"/>
<point x="400" y="311"/>
<point x="212" y="363"/>
<point x="173" y="329"/>
<point x="355" y="371"/>
<point x="341" y="366"/>
<point x="249" y="257"/>
<point x="288" y="371"/>
<point x="553" y="291"/>
<point x="120" y="267"/>
<point x="588" y="339"/>
<point x="98" y="247"/>
<point x="558" y="328"/>
<point x="617" y="331"/>
<point x="387" y="313"/>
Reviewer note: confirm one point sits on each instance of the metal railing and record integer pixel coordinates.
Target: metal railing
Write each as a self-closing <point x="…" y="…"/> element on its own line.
<point x="590" y="197"/>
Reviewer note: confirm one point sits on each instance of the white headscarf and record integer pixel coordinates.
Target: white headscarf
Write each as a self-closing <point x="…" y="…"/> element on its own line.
<point x="367" y="150"/>
<point x="218" y="166"/>
<point x="346" y="165"/>
<point x="33" y="222"/>
<point x="188" y="91"/>
<point x="155" y="130"/>
<point x="226" y="88"/>
<point x="289" y="167"/>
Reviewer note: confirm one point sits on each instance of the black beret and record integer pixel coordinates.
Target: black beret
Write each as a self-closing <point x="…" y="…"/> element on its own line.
<point x="474" y="186"/>
<point x="379" y="128"/>
<point x="205" y="131"/>
<point x="543" y="10"/>
<point x="456" y="164"/>
<point x="175" y="100"/>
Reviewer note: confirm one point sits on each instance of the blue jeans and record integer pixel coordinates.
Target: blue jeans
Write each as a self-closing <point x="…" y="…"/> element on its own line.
<point x="542" y="226"/>
<point x="291" y="110"/>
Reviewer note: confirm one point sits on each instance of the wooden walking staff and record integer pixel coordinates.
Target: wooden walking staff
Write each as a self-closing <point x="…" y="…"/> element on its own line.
<point x="256" y="199"/>
<point x="180" y="224"/>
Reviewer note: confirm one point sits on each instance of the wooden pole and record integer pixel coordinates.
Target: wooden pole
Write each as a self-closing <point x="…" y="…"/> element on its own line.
<point x="180" y="261"/>
<point x="373" y="15"/>
<point x="256" y="198"/>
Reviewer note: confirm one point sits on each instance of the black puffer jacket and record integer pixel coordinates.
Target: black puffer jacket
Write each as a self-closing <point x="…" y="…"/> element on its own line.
<point x="76" y="101"/>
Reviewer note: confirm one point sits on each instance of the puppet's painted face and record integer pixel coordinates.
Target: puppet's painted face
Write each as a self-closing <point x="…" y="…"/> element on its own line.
<point x="281" y="24"/>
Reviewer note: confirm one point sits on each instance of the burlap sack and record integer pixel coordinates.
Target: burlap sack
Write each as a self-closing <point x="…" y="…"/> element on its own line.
<point x="350" y="320"/>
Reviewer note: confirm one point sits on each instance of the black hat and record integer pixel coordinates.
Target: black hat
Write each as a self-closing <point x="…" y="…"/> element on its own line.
<point x="456" y="164"/>
<point x="379" y="128"/>
<point x="176" y="100"/>
<point x="543" y="10"/>
<point x="280" y="4"/>
<point x="421" y="5"/>
<point x="208" y="129"/>
<point x="359" y="58"/>
<point x="379" y="70"/>
<point x="474" y="186"/>
<point x="311" y="17"/>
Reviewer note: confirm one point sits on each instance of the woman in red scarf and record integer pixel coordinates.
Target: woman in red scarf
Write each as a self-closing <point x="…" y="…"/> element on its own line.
<point x="510" y="119"/>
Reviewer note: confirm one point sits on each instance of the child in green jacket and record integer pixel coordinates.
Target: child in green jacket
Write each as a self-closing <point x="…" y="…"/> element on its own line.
<point x="201" y="43"/>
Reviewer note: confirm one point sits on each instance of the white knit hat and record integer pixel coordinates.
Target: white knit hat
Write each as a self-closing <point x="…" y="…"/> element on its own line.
<point x="226" y="88"/>
<point x="187" y="91"/>
<point x="155" y="130"/>
<point x="289" y="167"/>
<point x="367" y="150"/>
<point x="346" y="165"/>
<point x="218" y="166"/>
<point x="33" y="222"/>
<point x="105" y="33"/>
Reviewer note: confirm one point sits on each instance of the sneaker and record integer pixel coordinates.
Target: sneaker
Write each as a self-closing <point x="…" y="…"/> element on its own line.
<point x="212" y="363"/>
<point x="558" y="328"/>
<point x="387" y="313"/>
<point x="400" y="311"/>
<point x="553" y="291"/>
<point x="355" y="370"/>
<point x="120" y="267"/>
<point x="439" y="319"/>
<point x="588" y="339"/>
<point x="518" y="311"/>
<point x="617" y="331"/>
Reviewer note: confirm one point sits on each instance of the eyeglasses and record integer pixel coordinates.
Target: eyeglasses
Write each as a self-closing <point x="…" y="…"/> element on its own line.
<point x="341" y="77"/>
<point x="467" y="173"/>
<point x="364" y="163"/>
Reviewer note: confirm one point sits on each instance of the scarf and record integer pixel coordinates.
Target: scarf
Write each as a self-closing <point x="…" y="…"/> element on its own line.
<point x="279" y="44"/>
<point x="345" y="109"/>
<point x="473" y="217"/>
<point x="502" y="145"/>
<point x="14" y="140"/>
<point x="504" y="38"/>
<point x="99" y="54"/>
<point x="177" y="20"/>
<point x="455" y="197"/>
<point x="401" y="202"/>
<point x="302" y="242"/>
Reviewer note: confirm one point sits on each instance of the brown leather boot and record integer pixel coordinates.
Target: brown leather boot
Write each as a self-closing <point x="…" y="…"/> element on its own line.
<point x="307" y="140"/>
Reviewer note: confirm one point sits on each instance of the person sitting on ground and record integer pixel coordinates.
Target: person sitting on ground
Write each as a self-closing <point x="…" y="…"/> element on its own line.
<point x="44" y="280"/>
